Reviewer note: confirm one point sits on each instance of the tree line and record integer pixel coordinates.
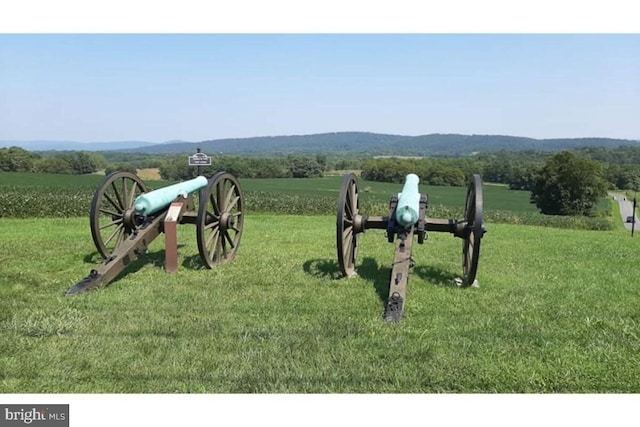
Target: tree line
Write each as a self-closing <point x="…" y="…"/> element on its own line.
<point x="173" y="167"/>
<point x="565" y="183"/>
<point x="15" y="159"/>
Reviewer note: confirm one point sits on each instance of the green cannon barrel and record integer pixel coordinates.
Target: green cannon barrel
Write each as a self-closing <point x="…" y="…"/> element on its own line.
<point x="408" y="207"/>
<point x="154" y="201"/>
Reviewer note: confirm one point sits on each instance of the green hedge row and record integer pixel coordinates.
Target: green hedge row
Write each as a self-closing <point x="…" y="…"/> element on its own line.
<point x="18" y="202"/>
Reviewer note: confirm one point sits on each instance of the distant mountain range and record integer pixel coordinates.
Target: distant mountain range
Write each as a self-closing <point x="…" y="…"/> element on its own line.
<point x="81" y="146"/>
<point x="338" y="142"/>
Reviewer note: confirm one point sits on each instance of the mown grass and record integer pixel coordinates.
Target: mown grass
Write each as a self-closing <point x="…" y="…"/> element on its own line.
<point x="556" y="312"/>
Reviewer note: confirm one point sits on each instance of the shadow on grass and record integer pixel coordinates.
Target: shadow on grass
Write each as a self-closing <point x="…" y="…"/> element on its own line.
<point x="377" y="275"/>
<point x="194" y="262"/>
<point x="156" y="259"/>
<point x="435" y="276"/>
<point x="323" y="269"/>
<point x="368" y="270"/>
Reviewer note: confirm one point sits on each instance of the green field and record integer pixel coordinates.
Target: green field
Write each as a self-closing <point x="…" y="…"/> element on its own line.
<point x="24" y="195"/>
<point x="497" y="197"/>
<point x="556" y="312"/>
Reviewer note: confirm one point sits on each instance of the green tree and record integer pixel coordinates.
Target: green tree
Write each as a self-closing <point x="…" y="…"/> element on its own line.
<point x="304" y="167"/>
<point x="523" y="178"/>
<point x="83" y="163"/>
<point x="16" y="159"/>
<point x="57" y="164"/>
<point x="568" y="185"/>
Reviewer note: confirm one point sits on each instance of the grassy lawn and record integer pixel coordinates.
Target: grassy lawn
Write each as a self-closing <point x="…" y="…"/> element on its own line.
<point x="556" y="312"/>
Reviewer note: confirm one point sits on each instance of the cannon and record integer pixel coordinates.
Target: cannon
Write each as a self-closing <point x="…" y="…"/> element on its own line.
<point x="407" y="218"/>
<point x="126" y="217"/>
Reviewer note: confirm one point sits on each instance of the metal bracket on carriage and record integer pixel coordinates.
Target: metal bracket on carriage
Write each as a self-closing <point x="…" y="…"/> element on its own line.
<point x="393" y="311"/>
<point x="421" y="227"/>
<point x="391" y="222"/>
<point x="90" y="282"/>
<point x="459" y="282"/>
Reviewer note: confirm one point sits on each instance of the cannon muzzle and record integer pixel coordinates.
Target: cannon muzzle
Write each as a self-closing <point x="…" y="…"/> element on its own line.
<point x="408" y="207"/>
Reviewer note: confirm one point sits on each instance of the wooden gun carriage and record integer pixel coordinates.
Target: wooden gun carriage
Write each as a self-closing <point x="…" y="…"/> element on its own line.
<point x="125" y="218"/>
<point x="407" y="218"/>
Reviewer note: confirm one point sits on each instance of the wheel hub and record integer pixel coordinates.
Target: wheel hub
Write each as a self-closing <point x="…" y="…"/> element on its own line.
<point x="129" y="219"/>
<point x="227" y="221"/>
<point x="358" y="223"/>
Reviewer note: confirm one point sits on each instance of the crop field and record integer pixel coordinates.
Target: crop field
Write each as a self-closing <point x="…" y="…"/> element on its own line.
<point x="26" y="195"/>
<point x="499" y="196"/>
<point x="556" y="312"/>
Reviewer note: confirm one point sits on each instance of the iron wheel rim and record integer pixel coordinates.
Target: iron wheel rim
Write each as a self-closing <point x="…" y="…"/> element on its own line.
<point x="474" y="231"/>
<point x="346" y="234"/>
<point x="220" y="220"/>
<point x="112" y="218"/>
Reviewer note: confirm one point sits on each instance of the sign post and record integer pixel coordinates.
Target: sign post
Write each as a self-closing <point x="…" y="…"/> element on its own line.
<point x="199" y="159"/>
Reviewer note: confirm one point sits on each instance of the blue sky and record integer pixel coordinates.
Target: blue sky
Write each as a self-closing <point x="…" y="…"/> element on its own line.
<point x="196" y="87"/>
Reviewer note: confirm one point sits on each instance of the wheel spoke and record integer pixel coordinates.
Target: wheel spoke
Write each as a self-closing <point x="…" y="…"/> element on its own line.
<point x="214" y="238"/>
<point x="125" y="194"/>
<point x="113" y="234"/>
<point x="117" y="193"/>
<point x="233" y="203"/>
<point x="112" y="223"/>
<point x="114" y="204"/>
<point x="216" y="209"/>
<point x="353" y="200"/>
<point x="132" y="195"/>
<point x="347" y="234"/>
<point x="219" y="195"/>
<point x="227" y="199"/>
<point x="223" y="245"/>
<point x="348" y="252"/>
<point x="348" y="211"/>
<point x="110" y="213"/>
<point x="212" y="225"/>
<point x="229" y="239"/>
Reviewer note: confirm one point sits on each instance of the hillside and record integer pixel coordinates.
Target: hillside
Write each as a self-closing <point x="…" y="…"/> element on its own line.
<point x="337" y="142"/>
<point x="380" y="144"/>
<point x="80" y="146"/>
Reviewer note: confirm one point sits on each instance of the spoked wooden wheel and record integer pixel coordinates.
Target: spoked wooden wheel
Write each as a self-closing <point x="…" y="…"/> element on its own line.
<point x="349" y="223"/>
<point x="112" y="217"/>
<point x="474" y="230"/>
<point x="220" y="220"/>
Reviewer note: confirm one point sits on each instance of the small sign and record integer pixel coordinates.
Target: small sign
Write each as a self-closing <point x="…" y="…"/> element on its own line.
<point x="199" y="159"/>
